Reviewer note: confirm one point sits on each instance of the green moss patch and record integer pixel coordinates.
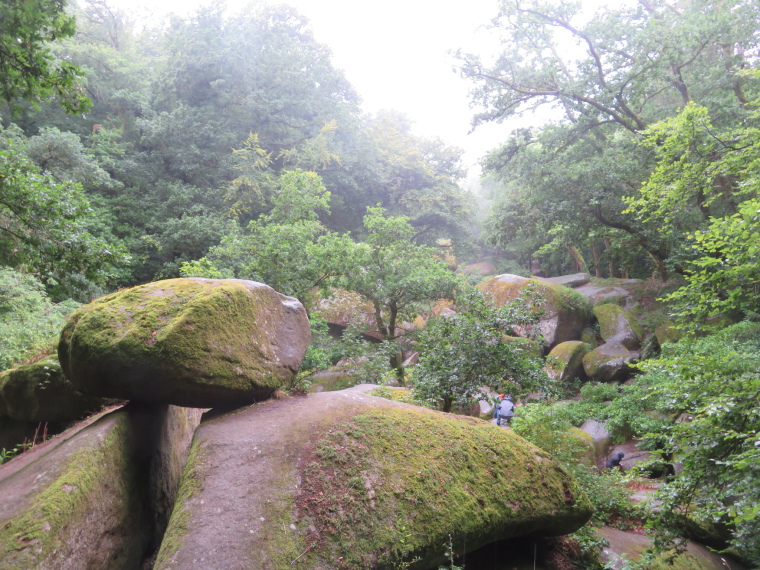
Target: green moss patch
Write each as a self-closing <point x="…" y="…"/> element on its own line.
<point x="93" y="494"/>
<point x="390" y="485"/>
<point x="178" y="524"/>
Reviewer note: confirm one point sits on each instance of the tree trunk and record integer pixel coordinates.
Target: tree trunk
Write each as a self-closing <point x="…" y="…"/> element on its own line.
<point x="595" y="250"/>
<point x="580" y="263"/>
<point x="447" y="403"/>
<point x="610" y="260"/>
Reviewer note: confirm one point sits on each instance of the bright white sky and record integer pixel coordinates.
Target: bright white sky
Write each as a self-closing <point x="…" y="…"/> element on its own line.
<point x="396" y="55"/>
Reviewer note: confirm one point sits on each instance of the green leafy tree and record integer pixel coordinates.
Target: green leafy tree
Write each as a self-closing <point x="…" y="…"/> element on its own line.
<point x="635" y="66"/>
<point x="463" y="352"/>
<point x="287" y="248"/>
<point x="44" y="226"/>
<point x="29" y="321"/>
<point x="716" y="380"/>
<point x="28" y="69"/>
<point x="395" y="275"/>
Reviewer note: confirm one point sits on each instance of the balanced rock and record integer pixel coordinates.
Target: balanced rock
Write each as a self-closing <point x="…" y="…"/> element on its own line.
<point x="348" y="480"/>
<point x="608" y="362"/>
<point x="566" y="313"/>
<point x="40" y="392"/>
<point x="618" y="325"/>
<point x="191" y="342"/>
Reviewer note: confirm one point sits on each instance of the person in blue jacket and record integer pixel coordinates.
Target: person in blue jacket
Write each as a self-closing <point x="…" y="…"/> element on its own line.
<point x="506" y="411"/>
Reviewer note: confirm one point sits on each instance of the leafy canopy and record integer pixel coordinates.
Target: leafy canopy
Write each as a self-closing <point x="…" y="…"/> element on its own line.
<point x="463" y="352"/>
<point x="28" y="68"/>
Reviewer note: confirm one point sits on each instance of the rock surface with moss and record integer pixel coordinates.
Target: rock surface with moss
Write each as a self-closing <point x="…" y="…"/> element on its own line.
<point x="609" y="362"/>
<point x="76" y="501"/>
<point x="618" y="325"/>
<point x="347" y="480"/>
<point x="565" y="361"/>
<point x="40" y="392"/>
<point x="566" y="312"/>
<point x="190" y="342"/>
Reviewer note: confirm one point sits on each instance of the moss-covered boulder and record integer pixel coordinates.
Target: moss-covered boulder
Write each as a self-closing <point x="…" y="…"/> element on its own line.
<point x="565" y="361"/>
<point x="40" y="392"/>
<point x="75" y="501"/>
<point x="608" y="363"/>
<point x="600" y="438"/>
<point x="342" y="309"/>
<point x="566" y="313"/>
<point x="190" y="342"/>
<point x="618" y="325"/>
<point x="667" y="332"/>
<point x="347" y="480"/>
<point x="528" y="345"/>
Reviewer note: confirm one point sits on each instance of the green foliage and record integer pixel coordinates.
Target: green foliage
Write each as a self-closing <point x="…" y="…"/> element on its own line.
<point x="28" y="69"/>
<point x="465" y="351"/>
<point x="559" y="187"/>
<point x="45" y="224"/>
<point x="395" y="275"/>
<point x="288" y="248"/>
<point x="726" y="279"/>
<point x="29" y="321"/>
<point x="716" y="380"/>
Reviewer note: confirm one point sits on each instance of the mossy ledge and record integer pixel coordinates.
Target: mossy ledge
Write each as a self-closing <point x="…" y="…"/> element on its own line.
<point x="388" y="486"/>
<point x="91" y="490"/>
<point x="190" y="483"/>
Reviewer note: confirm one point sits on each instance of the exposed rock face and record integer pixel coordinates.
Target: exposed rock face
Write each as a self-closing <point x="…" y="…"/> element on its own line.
<point x="575" y="280"/>
<point x="617" y="325"/>
<point x="608" y="362"/>
<point x="566" y="313"/>
<point x="600" y="438"/>
<point x="189" y="342"/>
<point x="343" y="308"/>
<point x="667" y="332"/>
<point x="40" y="392"/>
<point x="599" y="295"/>
<point x="344" y="479"/>
<point x="565" y="361"/>
<point x="624" y="547"/>
<point x="75" y="502"/>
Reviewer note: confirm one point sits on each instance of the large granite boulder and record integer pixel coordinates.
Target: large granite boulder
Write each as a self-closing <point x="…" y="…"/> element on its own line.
<point x="600" y="438"/>
<point x="75" y="501"/>
<point x="609" y="362"/>
<point x="190" y="342"/>
<point x="348" y="480"/>
<point x="566" y="313"/>
<point x="600" y="294"/>
<point x="100" y="494"/>
<point x="565" y="361"/>
<point x="667" y="332"/>
<point x="574" y="280"/>
<point x="40" y="392"/>
<point x="618" y="325"/>
<point x="342" y="309"/>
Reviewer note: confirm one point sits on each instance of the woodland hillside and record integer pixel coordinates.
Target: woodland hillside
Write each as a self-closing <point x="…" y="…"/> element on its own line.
<point x="226" y="145"/>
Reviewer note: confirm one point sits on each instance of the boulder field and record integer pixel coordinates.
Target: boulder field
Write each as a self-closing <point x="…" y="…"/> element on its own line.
<point x="189" y="342"/>
<point x="566" y="312"/>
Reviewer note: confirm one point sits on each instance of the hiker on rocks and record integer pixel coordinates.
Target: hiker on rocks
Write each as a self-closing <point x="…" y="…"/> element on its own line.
<point x="614" y="461"/>
<point x="497" y="406"/>
<point x="506" y="411"/>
